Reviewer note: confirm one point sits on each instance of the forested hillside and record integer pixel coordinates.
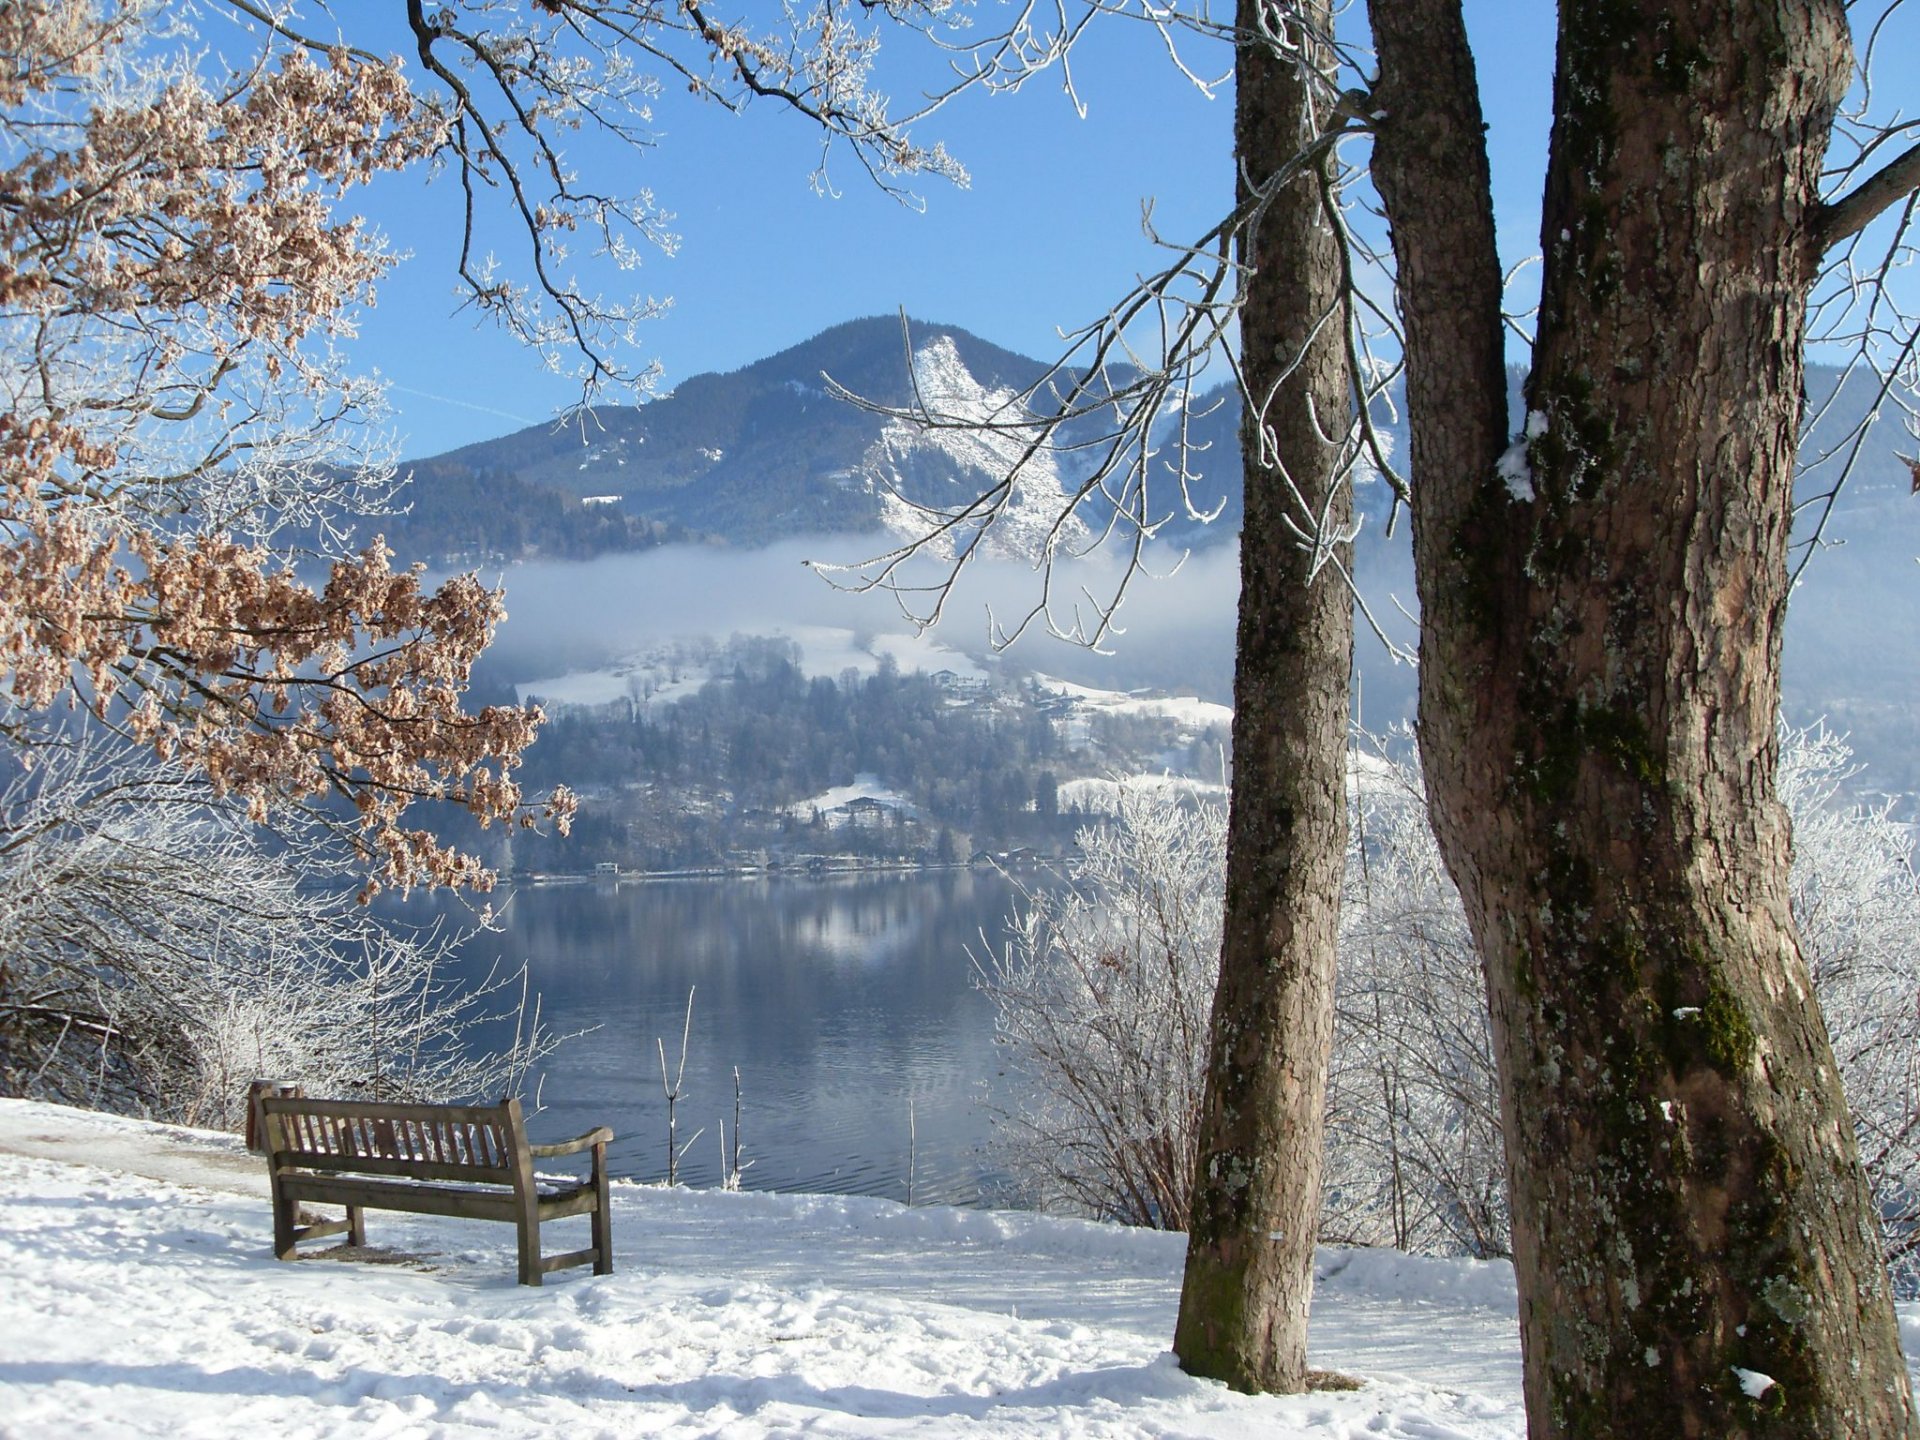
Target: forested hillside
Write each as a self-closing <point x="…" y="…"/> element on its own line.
<point x="929" y="767"/>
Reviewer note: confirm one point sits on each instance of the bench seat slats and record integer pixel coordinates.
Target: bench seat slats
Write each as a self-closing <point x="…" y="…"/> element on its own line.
<point x="398" y="1195"/>
<point x="297" y="1160"/>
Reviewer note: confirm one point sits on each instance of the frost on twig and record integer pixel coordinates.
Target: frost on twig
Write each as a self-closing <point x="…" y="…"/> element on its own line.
<point x="161" y="952"/>
<point x="1861" y="318"/>
<point x="1114" y="410"/>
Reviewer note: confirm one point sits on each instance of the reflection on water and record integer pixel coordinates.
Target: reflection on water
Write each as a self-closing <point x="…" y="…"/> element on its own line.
<point x="841" y="1000"/>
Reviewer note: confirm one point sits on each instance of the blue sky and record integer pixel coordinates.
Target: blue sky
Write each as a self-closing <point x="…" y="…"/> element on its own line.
<point x="1047" y="235"/>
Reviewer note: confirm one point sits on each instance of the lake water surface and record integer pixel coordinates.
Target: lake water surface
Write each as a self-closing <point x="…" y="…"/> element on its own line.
<point x="843" y="1000"/>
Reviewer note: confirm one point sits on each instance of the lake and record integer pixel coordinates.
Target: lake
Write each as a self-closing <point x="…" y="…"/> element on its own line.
<point x="844" y="1001"/>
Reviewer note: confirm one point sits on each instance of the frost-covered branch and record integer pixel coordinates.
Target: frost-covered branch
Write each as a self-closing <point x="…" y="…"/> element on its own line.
<point x="1116" y="405"/>
<point x="162" y="951"/>
<point x="182" y="263"/>
<point x="1862" y="316"/>
<point x="1103" y="990"/>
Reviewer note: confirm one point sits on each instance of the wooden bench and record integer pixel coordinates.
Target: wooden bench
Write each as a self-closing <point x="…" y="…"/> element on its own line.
<point x="471" y="1161"/>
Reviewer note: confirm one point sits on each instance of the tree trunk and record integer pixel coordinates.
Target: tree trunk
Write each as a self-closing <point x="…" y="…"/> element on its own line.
<point x="1694" y="1243"/>
<point x="1249" y="1273"/>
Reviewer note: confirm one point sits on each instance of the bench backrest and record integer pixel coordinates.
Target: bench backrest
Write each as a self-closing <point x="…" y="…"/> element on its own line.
<point x="476" y="1143"/>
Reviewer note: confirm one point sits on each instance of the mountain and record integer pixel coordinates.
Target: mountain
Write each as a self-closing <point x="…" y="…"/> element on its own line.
<point x="768" y="452"/>
<point x="731" y="464"/>
<point x="771" y="451"/>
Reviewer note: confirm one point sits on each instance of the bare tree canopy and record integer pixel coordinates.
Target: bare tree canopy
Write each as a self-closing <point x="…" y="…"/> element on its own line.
<point x="220" y="707"/>
<point x="161" y="951"/>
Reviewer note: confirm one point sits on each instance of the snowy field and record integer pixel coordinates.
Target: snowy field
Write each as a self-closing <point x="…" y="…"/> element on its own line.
<point x="138" y="1296"/>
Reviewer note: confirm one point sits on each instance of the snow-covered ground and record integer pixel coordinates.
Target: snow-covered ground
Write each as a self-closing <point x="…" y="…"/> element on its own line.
<point x="138" y="1296"/>
<point x="1181" y="709"/>
<point x="865" y="786"/>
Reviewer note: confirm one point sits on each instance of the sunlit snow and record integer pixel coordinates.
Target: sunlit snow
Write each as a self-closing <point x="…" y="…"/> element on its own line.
<point x="1753" y="1383"/>
<point x="1181" y="709"/>
<point x="139" y="1297"/>
<point x="1514" y="467"/>
<point x="864" y="787"/>
<point x="136" y="1306"/>
<point x="914" y="494"/>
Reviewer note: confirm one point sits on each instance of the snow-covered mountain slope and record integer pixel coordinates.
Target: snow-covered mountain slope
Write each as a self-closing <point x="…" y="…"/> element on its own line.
<point x="766" y="453"/>
<point x="949" y="472"/>
<point x="669" y="671"/>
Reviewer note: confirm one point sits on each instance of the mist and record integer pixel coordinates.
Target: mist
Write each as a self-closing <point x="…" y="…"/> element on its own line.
<point x="1177" y="620"/>
<point x="1174" y="630"/>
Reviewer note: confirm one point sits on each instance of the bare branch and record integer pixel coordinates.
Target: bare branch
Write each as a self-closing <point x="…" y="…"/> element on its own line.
<point x="1838" y="220"/>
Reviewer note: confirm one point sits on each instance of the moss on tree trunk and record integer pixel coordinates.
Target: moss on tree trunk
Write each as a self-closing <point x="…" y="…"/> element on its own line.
<point x="1694" y="1242"/>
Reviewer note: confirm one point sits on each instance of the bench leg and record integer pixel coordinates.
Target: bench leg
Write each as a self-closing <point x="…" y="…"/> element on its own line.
<point x="530" y="1272"/>
<point x="602" y="1218"/>
<point x="286" y="1218"/>
<point x="356" y="1225"/>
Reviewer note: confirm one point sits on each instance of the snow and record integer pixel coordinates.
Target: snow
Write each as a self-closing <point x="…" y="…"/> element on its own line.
<point x="1513" y="466"/>
<point x="139" y="1297"/>
<point x="138" y="1304"/>
<point x="894" y="466"/>
<point x="865" y="786"/>
<point x="580" y="687"/>
<point x="921" y="652"/>
<point x="830" y="650"/>
<point x="1753" y="1382"/>
<point x="1185" y="710"/>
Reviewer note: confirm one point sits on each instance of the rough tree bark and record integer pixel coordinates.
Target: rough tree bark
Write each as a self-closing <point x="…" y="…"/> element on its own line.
<point x="1249" y="1271"/>
<point x="1694" y="1244"/>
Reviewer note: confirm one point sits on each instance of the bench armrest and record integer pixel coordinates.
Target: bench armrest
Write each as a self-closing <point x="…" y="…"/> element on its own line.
<point x="599" y="1135"/>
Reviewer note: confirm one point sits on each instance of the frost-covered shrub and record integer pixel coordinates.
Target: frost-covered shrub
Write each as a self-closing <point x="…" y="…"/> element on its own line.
<point x="1414" y="1154"/>
<point x="1414" y="1142"/>
<point x="1856" y="902"/>
<point x="1103" y="989"/>
<point x="158" y="951"/>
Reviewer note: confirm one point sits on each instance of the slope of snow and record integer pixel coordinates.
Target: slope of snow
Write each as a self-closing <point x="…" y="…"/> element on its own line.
<point x="908" y="466"/>
<point x="582" y="687"/>
<point x="132" y="1306"/>
<point x="865" y="786"/>
<point x="1185" y="710"/>
<point x="139" y="1306"/>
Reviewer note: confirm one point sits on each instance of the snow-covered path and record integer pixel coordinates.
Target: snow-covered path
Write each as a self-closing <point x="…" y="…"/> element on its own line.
<point x="138" y="1297"/>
